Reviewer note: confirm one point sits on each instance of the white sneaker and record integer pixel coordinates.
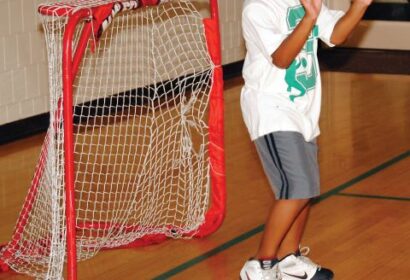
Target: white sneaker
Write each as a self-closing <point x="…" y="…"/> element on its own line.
<point x="260" y="270"/>
<point x="294" y="267"/>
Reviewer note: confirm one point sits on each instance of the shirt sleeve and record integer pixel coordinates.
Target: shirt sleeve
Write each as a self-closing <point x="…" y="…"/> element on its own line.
<point x="260" y="29"/>
<point x="327" y="21"/>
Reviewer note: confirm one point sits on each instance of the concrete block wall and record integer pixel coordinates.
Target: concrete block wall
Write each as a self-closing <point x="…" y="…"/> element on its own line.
<point x="23" y="67"/>
<point x="23" y="62"/>
<point x="377" y="34"/>
<point x="233" y="47"/>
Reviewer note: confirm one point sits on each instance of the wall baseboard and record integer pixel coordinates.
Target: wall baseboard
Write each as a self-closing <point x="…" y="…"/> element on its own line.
<point x="388" y="11"/>
<point x="24" y="128"/>
<point x="364" y="61"/>
<point x="232" y="70"/>
<point x="337" y="59"/>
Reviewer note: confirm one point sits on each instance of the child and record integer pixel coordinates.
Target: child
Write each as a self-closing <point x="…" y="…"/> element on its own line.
<point x="281" y="105"/>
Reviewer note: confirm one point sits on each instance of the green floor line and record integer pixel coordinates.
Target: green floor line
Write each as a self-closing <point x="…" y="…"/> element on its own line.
<point x="364" y="176"/>
<point x="375" y="196"/>
<point x="211" y="253"/>
<point x="260" y="228"/>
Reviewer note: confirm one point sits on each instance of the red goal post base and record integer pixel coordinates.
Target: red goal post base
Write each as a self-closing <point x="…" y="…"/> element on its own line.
<point x="3" y="266"/>
<point x="213" y="222"/>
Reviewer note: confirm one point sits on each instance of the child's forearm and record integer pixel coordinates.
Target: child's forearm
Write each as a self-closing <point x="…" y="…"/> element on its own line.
<point x="349" y="21"/>
<point x="293" y="44"/>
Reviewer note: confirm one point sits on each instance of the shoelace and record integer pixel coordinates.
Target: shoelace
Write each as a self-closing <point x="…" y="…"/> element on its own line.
<point x="267" y="274"/>
<point x="278" y="275"/>
<point x="304" y="251"/>
<point x="268" y="269"/>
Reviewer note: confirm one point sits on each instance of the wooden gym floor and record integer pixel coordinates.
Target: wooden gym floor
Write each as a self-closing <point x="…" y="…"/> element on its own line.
<point x="360" y="227"/>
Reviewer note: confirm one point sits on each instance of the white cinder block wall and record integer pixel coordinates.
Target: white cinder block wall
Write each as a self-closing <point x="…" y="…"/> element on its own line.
<point x="23" y="62"/>
<point x="377" y="34"/>
<point x="233" y="47"/>
<point x="23" y="67"/>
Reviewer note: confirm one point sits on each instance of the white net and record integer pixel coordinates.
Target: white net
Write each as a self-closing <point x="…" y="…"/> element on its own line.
<point x="140" y="135"/>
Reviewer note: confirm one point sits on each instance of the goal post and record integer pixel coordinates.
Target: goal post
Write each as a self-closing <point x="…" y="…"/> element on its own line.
<point x="134" y="153"/>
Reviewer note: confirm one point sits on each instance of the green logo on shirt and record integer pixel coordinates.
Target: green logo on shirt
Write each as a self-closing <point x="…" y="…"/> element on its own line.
<point x="302" y="73"/>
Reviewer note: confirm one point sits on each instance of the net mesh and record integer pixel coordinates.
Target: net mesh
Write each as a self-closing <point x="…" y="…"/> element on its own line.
<point x="142" y="167"/>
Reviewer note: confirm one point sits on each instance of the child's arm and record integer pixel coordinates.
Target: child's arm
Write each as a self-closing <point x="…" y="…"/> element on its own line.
<point x="349" y="21"/>
<point x="293" y="44"/>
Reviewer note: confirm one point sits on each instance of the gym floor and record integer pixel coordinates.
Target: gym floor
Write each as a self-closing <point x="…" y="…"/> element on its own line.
<point x="359" y="227"/>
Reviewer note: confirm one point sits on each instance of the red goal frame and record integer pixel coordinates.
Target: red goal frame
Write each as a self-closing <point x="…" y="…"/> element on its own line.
<point x="71" y="61"/>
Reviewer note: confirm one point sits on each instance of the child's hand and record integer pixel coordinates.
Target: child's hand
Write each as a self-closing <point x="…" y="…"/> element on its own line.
<point x="363" y="2"/>
<point x="313" y="7"/>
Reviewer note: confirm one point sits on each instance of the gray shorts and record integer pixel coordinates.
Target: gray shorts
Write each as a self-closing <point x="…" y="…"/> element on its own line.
<point x="290" y="163"/>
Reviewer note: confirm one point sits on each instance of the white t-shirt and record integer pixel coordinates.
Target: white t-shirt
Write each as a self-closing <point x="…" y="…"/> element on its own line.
<point x="275" y="99"/>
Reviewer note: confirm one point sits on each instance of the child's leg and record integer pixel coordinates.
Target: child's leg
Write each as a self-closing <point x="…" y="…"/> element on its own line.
<point x="291" y="242"/>
<point x="281" y="219"/>
<point x="290" y="164"/>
